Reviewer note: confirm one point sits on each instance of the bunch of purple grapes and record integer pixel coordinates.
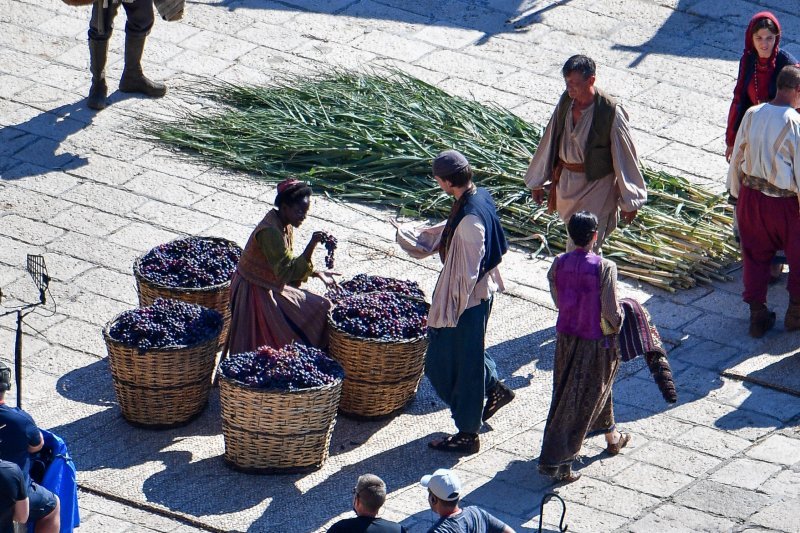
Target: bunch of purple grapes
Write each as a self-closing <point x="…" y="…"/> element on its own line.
<point x="293" y="367"/>
<point x="364" y="283"/>
<point x="381" y="315"/>
<point x="166" y="323"/>
<point x="190" y="263"/>
<point x="330" y="245"/>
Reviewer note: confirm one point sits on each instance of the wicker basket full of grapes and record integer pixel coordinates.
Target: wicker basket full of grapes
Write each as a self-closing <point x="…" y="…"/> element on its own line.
<point x="279" y="408"/>
<point x="380" y="340"/>
<point x="193" y="269"/>
<point x="161" y="358"/>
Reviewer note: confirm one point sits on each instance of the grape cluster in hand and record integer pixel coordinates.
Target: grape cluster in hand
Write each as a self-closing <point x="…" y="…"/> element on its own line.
<point x="364" y="283"/>
<point x="293" y="367"/>
<point x="166" y="323"/>
<point x="382" y="315"/>
<point x="191" y="263"/>
<point x="330" y="245"/>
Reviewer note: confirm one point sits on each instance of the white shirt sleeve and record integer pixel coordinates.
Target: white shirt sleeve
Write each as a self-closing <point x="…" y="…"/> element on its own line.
<point x="630" y="182"/>
<point x="737" y="157"/>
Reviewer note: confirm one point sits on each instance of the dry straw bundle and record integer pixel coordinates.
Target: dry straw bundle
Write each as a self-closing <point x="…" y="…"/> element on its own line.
<point x="371" y="137"/>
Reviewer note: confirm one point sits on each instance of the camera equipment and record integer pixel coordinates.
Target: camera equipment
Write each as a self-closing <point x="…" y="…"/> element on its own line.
<point x="38" y="272"/>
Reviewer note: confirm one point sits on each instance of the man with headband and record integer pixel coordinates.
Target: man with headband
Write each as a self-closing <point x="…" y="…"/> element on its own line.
<point x="471" y="247"/>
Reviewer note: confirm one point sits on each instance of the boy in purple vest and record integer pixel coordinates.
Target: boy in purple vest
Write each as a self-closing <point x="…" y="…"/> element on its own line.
<point x="584" y="289"/>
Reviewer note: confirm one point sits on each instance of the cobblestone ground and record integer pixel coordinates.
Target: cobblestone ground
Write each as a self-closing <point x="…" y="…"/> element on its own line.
<point x="80" y="188"/>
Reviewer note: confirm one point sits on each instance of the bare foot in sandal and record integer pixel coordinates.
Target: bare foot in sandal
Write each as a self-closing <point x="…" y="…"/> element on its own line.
<point x="616" y="441"/>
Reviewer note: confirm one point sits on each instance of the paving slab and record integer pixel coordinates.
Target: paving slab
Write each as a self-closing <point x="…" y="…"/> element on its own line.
<point x="90" y="193"/>
<point x="780" y="372"/>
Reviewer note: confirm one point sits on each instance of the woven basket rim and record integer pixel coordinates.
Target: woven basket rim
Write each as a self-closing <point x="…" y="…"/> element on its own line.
<point x="274" y="390"/>
<point x="381" y="340"/>
<point x="210" y="288"/>
<point x="172" y="348"/>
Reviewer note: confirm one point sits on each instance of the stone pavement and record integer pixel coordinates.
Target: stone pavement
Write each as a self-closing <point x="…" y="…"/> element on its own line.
<point x="82" y="189"/>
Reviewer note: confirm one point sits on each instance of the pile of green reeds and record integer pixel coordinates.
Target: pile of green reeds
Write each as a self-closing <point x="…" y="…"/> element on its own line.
<point x="371" y="137"/>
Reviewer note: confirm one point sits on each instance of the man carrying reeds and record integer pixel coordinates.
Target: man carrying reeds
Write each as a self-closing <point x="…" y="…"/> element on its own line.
<point x="764" y="176"/>
<point x="471" y="247"/>
<point x="587" y="156"/>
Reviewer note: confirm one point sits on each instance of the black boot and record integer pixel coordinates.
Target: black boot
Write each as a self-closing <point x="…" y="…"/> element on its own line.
<point x="98" y="50"/>
<point x="133" y="79"/>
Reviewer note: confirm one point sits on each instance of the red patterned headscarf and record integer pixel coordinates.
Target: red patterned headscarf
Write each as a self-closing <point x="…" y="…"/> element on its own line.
<point x="287" y="184"/>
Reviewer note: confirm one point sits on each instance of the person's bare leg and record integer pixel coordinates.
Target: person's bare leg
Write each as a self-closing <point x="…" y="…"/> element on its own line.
<point x="52" y="522"/>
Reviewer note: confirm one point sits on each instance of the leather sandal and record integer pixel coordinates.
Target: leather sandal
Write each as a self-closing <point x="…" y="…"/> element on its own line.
<point x="499" y="396"/>
<point x="614" y="448"/>
<point x="466" y="443"/>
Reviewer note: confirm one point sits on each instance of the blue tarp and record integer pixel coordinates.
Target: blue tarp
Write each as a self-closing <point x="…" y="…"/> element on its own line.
<point x="60" y="479"/>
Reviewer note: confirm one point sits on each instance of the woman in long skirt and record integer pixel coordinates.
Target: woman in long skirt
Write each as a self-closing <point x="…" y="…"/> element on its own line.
<point x="267" y="305"/>
<point x="584" y="289"/>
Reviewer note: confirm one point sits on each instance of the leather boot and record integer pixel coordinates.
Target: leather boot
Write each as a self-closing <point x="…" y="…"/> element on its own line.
<point x="761" y="321"/>
<point x="791" y="322"/>
<point x="98" y="50"/>
<point x="133" y="79"/>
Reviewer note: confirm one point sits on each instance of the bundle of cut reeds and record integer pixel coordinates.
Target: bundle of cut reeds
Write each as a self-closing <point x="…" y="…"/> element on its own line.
<point x="371" y="138"/>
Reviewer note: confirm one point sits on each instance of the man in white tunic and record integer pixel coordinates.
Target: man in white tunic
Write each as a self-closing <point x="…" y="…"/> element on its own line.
<point x="471" y="245"/>
<point x="587" y="155"/>
<point x="764" y="176"/>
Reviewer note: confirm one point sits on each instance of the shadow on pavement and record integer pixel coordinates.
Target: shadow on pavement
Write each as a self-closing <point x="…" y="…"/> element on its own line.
<point x="489" y="18"/>
<point x="671" y="37"/>
<point x="39" y="139"/>
<point x="180" y="466"/>
<point x="781" y="373"/>
<point x="287" y="506"/>
<point x="105" y="440"/>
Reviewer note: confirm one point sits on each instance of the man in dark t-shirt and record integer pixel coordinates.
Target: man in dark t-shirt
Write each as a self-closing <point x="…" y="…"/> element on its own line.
<point x="19" y="438"/>
<point x="368" y="497"/>
<point x="13" y="496"/>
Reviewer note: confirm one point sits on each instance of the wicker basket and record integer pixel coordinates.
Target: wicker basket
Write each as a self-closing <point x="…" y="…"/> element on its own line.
<point x="215" y="297"/>
<point x="381" y="376"/>
<point x="164" y="387"/>
<point x="275" y="431"/>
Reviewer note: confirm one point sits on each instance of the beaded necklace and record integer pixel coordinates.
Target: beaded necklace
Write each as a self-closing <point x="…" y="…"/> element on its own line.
<point x="755" y="81"/>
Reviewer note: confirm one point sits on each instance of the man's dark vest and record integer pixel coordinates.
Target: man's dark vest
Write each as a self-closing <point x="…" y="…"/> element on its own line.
<point x="495" y="245"/>
<point x="597" y="159"/>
